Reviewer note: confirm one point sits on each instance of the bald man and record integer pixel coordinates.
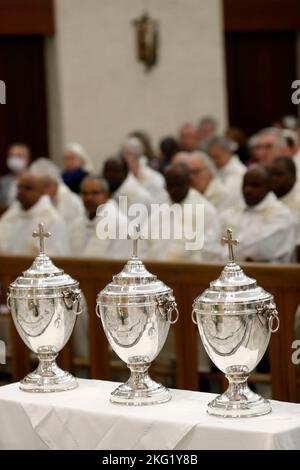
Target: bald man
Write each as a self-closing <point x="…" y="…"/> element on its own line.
<point x="23" y="217"/>
<point x="181" y="195"/>
<point x="286" y="187"/>
<point x="263" y="225"/>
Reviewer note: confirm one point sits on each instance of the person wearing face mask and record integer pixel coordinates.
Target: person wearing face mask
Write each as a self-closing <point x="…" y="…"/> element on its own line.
<point x="77" y="165"/>
<point x="18" y="159"/>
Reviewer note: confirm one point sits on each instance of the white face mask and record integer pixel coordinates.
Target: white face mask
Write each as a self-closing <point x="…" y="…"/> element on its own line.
<point x="16" y="164"/>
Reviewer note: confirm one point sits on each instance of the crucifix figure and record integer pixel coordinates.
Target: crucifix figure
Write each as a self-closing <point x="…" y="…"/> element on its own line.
<point x="135" y="238"/>
<point x="41" y="234"/>
<point x="228" y="240"/>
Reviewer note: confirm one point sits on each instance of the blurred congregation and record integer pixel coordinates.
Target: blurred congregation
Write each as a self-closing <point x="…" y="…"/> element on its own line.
<point x="250" y="184"/>
<point x="206" y="121"/>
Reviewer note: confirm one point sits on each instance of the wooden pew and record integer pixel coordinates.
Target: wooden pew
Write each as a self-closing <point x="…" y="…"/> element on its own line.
<point x="188" y="281"/>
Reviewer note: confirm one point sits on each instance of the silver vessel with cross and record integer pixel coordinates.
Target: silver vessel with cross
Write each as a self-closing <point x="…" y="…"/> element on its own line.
<point x="235" y="318"/>
<point x="44" y="303"/>
<point x="136" y="310"/>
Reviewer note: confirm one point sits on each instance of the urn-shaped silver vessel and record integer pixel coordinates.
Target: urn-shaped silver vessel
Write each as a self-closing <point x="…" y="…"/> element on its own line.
<point x="235" y="318"/>
<point x="136" y="310"/>
<point x="44" y="303"/>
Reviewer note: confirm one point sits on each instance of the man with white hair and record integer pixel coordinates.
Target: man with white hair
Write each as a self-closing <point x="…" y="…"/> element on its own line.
<point x="67" y="203"/>
<point x="22" y="218"/>
<point x="268" y="145"/>
<point x="229" y="167"/>
<point x="89" y="233"/>
<point x="133" y="153"/>
<point x="77" y="165"/>
<point x="203" y="178"/>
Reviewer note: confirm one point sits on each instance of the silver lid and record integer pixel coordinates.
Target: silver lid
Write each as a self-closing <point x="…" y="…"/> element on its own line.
<point x="42" y="273"/>
<point x="233" y="290"/>
<point x="133" y="285"/>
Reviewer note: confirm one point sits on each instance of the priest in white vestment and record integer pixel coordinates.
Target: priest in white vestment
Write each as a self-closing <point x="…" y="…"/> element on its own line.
<point x="263" y="225"/>
<point x="67" y="203"/>
<point x="183" y="212"/>
<point x="203" y="178"/>
<point x="229" y="167"/>
<point x="269" y="143"/>
<point x="286" y="187"/>
<point x="89" y="234"/>
<point x="133" y="153"/>
<point x="22" y="218"/>
<point x="124" y="187"/>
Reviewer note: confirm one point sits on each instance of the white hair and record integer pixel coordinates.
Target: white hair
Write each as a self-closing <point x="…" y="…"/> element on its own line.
<point x="46" y="168"/>
<point x="225" y="143"/>
<point x="280" y="141"/>
<point x="252" y="141"/>
<point x="80" y="151"/>
<point x="133" y="145"/>
<point x="204" y="158"/>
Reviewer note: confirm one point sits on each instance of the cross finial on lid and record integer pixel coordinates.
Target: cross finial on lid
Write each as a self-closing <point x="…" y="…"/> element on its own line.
<point x="41" y="234"/>
<point x="228" y="240"/>
<point x="135" y="237"/>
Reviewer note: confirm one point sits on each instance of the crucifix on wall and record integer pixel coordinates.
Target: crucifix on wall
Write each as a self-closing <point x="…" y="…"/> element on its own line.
<point x="147" y="39"/>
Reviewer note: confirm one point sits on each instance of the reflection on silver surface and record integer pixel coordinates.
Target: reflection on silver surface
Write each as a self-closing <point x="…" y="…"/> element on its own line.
<point x="44" y="303"/>
<point x="235" y="319"/>
<point x="136" y="311"/>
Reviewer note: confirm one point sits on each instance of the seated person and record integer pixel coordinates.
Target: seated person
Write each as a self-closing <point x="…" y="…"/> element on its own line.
<point x="123" y="183"/>
<point x="67" y="203"/>
<point x="182" y="213"/>
<point x="18" y="159"/>
<point x="263" y="225"/>
<point x="23" y="217"/>
<point x="76" y="166"/>
<point x="229" y="167"/>
<point x="286" y="187"/>
<point x="89" y="235"/>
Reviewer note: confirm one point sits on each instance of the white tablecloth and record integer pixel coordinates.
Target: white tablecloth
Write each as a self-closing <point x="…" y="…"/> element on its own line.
<point x="84" y="419"/>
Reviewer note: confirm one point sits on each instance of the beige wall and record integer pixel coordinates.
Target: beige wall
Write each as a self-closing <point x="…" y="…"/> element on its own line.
<point x="97" y="89"/>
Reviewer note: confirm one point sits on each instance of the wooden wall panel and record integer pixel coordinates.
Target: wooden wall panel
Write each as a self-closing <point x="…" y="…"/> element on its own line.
<point x="22" y="17"/>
